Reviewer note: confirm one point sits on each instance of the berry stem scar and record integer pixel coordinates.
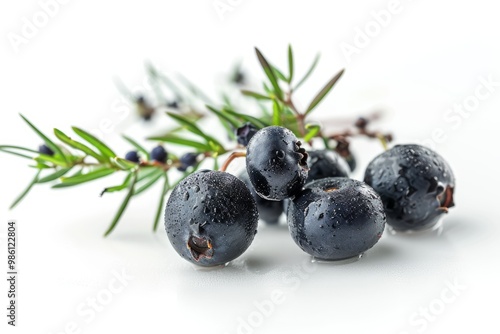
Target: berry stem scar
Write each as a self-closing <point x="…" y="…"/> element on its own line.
<point x="231" y="157"/>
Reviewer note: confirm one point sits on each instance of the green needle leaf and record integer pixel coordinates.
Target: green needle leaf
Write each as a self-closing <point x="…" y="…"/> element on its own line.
<point x="290" y="64"/>
<point x="16" y="153"/>
<point x="57" y="150"/>
<point x="197" y="92"/>
<point x="146" y="172"/>
<point x="182" y="141"/>
<point x="120" y="187"/>
<point x="324" y="92"/>
<point x="136" y="145"/>
<point x="276" y="113"/>
<point x="224" y="116"/>
<point x="247" y="118"/>
<point x="55" y="175"/>
<point x="79" y="146"/>
<point x="123" y="164"/>
<point x="313" y="131"/>
<point x="79" y="179"/>
<point x="279" y="74"/>
<point x="18" y="148"/>
<point x="42" y="158"/>
<point x="122" y="208"/>
<point x="152" y="180"/>
<point x="103" y="148"/>
<point x="255" y="95"/>
<point x="309" y="72"/>
<point x="26" y="191"/>
<point x="160" y="208"/>
<point x="193" y="128"/>
<point x="270" y="73"/>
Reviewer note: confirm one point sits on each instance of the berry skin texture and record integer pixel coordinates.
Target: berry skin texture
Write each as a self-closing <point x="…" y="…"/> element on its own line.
<point x="276" y="164"/>
<point x="211" y="218"/>
<point x="44" y="149"/>
<point x="269" y="211"/>
<point x="132" y="156"/>
<point x="336" y="218"/>
<point x="416" y="186"/>
<point x="326" y="163"/>
<point x="245" y="133"/>
<point x="159" y="154"/>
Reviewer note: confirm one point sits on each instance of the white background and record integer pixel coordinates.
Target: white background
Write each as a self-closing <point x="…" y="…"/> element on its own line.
<point x="430" y="56"/>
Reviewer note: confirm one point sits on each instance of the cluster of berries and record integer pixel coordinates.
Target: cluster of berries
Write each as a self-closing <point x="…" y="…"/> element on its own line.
<point x="211" y="216"/>
<point x="160" y="155"/>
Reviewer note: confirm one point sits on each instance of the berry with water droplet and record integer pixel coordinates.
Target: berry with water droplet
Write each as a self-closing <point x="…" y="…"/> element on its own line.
<point x="211" y="218"/>
<point x="415" y="183"/>
<point x="336" y="218"/>
<point x="276" y="163"/>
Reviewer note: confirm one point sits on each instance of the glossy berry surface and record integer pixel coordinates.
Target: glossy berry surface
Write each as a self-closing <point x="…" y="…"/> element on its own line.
<point x="351" y="161"/>
<point x="245" y="133"/>
<point x="187" y="160"/>
<point x="336" y="218"/>
<point x="211" y="218"/>
<point x="159" y="154"/>
<point x="326" y="163"/>
<point x="416" y="186"/>
<point x="276" y="164"/>
<point x="132" y="156"/>
<point x="269" y="211"/>
<point x="44" y="149"/>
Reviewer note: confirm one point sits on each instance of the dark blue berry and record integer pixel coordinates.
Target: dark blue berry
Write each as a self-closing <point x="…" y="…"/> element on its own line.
<point x="336" y="218"/>
<point x="187" y="160"/>
<point x="144" y="109"/>
<point x="132" y="156"/>
<point x="245" y="133"/>
<point x="159" y="154"/>
<point x="416" y="186"/>
<point x="276" y="164"/>
<point x="269" y="211"/>
<point x="326" y="163"/>
<point x="173" y="104"/>
<point x="44" y="149"/>
<point x="238" y="78"/>
<point x="211" y="218"/>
